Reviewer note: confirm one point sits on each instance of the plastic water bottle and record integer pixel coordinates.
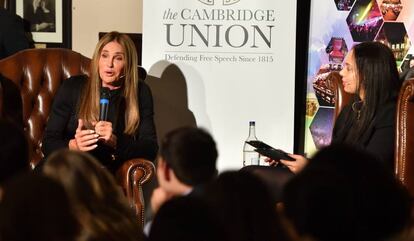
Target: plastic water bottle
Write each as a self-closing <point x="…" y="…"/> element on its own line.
<point x="250" y="157"/>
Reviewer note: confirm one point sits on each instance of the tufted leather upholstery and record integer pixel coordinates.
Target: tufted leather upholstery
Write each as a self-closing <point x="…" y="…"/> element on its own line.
<point x="38" y="74"/>
<point x="404" y="152"/>
<point x="32" y="78"/>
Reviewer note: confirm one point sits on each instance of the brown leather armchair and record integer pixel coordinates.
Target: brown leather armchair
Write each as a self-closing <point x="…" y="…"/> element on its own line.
<point x="404" y="139"/>
<point x="32" y="78"/>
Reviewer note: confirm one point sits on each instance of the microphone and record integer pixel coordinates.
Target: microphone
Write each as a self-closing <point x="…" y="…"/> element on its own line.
<point x="104" y="104"/>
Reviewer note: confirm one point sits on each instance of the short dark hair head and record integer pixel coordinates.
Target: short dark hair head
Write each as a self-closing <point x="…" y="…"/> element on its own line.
<point x="14" y="150"/>
<point x="191" y="153"/>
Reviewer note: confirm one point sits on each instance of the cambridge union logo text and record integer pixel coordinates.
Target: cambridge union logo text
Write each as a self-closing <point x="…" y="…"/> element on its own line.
<point x="225" y="2"/>
<point x="219" y="26"/>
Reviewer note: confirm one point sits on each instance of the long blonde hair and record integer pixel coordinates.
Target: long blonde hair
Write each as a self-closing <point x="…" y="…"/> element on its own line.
<point x="89" y="100"/>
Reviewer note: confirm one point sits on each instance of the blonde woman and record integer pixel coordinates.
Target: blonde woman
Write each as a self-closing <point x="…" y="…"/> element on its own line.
<point x="129" y="130"/>
<point x="98" y="202"/>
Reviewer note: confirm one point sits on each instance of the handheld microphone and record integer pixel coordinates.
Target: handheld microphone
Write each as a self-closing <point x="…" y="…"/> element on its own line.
<point x="104" y="104"/>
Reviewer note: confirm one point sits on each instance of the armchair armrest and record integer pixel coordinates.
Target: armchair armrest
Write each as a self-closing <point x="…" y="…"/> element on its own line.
<point x="404" y="141"/>
<point x="131" y="176"/>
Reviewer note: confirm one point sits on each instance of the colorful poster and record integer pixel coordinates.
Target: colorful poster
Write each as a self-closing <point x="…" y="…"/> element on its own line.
<point x="335" y="26"/>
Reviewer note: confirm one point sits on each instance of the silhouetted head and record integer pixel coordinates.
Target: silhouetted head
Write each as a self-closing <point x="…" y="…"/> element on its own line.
<point x="244" y="207"/>
<point x="345" y="193"/>
<point x="14" y="150"/>
<point x="191" y="153"/>
<point x="35" y="207"/>
<point x="185" y="219"/>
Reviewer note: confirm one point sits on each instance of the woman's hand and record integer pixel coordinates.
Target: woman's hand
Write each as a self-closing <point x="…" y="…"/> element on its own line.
<point x="297" y="165"/>
<point x="271" y="162"/>
<point x="294" y="166"/>
<point x="104" y="130"/>
<point x="85" y="140"/>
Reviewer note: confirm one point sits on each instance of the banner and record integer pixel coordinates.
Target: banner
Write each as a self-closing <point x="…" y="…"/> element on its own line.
<point x="238" y="61"/>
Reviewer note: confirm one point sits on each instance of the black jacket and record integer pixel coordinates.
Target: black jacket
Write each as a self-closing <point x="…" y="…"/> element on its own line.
<point x="63" y="122"/>
<point x="378" y="138"/>
<point x="12" y="35"/>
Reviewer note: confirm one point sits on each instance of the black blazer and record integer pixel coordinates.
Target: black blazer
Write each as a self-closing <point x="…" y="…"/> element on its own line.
<point x="63" y="122"/>
<point x="378" y="138"/>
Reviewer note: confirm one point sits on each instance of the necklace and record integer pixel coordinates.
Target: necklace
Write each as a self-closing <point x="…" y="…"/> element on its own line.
<point x="356" y="107"/>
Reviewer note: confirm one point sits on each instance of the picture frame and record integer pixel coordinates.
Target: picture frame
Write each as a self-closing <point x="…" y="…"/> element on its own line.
<point x="50" y="25"/>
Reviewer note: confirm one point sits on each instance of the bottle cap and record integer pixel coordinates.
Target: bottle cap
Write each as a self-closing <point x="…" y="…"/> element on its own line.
<point x="252" y="123"/>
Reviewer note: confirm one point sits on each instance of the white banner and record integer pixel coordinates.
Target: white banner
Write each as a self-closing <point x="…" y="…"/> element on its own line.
<point x="238" y="61"/>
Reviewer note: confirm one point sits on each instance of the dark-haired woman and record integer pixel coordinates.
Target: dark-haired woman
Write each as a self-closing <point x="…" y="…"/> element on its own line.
<point x="370" y="74"/>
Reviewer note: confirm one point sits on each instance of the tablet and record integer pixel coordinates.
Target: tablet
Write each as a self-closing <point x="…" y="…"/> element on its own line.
<point x="259" y="145"/>
<point x="275" y="154"/>
<point x="269" y="151"/>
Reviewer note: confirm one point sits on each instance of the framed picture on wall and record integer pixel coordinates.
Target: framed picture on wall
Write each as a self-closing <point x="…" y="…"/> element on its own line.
<point x="48" y="21"/>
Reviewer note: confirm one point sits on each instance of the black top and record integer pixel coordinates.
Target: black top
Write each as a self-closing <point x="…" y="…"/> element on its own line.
<point x="63" y="122"/>
<point x="12" y="35"/>
<point x="378" y="138"/>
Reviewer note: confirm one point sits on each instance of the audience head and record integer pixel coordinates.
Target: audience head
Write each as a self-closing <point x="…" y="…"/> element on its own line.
<point x="274" y="178"/>
<point x="185" y="219"/>
<point x="14" y="150"/>
<point x="99" y="204"/>
<point x="117" y="50"/>
<point x="346" y="194"/>
<point x="35" y="207"/>
<point x="187" y="155"/>
<point x="244" y="207"/>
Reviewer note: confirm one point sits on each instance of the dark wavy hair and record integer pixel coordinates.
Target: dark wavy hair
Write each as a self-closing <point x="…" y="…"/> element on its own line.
<point x="378" y="78"/>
